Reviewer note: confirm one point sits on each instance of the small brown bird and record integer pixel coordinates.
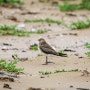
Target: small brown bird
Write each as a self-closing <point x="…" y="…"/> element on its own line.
<point x="47" y="49"/>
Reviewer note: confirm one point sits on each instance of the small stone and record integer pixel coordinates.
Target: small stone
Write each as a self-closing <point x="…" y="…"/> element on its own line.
<point x="7" y="44"/>
<point x="33" y="30"/>
<point x="49" y="24"/>
<point x="24" y="51"/>
<point x="71" y="86"/>
<point x="76" y="54"/>
<point x="42" y="77"/>
<point x="6" y="86"/>
<point x="20" y="26"/>
<point x="81" y="57"/>
<point x="4" y="48"/>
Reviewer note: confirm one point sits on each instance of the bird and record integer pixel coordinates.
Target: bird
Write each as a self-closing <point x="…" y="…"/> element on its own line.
<point x="47" y="49"/>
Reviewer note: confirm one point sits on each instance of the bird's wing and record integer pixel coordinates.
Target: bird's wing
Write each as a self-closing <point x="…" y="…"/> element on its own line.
<point x="46" y="48"/>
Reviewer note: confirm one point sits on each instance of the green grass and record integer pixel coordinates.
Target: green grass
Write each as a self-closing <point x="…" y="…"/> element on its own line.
<point x="74" y="25"/>
<point x="39" y="54"/>
<point x="88" y="54"/>
<point x="87" y="46"/>
<point x="80" y="24"/>
<point x="45" y="72"/>
<point x="63" y="70"/>
<point x="9" y="66"/>
<point x="33" y="47"/>
<point x="56" y="71"/>
<point x="62" y="52"/>
<point x="11" y="1"/>
<point x="47" y="20"/>
<point x="84" y="4"/>
<point x="41" y="31"/>
<point x="11" y="30"/>
<point x="68" y="7"/>
<point x="42" y="1"/>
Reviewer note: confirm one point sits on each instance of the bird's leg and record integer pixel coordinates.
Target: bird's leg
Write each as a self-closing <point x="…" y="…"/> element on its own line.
<point x="46" y="59"/>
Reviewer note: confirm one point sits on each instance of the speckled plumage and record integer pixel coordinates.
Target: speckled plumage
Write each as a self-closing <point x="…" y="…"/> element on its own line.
<point x="46" y="48"/>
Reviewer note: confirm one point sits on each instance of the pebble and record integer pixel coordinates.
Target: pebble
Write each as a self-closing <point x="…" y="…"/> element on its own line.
<point x="4" y="48"/>
<point x="20" y="26"/>
<point x="71" y="86"/>
<point x="42" y="77"/>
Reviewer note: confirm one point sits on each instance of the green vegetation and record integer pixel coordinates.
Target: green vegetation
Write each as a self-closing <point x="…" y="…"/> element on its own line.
<point x="9" y="66"/>
<point x="88" y="54"/>
<point x="61" y="52"/>
<point x="85" y="4"/>
<point x="11" y="30"/>
<point x="74" y="25"/>
<point x="45" y="72"/>
<point x="67" y="7"/>
<point x="42" y="1"/>
<point x="39" y="54"/>
<point x="47" y="20"/>
<point x="72" y="70"/>
<point x="33" y="47"/>
<point x="11" y="1"/>
<point x="41" y="31"/>
<point x="56" y="71"/>
<point x="87" y="46"/>
<point x="80" y="24"/>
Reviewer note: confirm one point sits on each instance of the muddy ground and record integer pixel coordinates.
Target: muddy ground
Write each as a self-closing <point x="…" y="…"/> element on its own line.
<point x="58" y="36"/>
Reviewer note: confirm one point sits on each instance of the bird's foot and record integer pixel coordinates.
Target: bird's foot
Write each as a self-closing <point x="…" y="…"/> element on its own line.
<point x="46" y="63"/>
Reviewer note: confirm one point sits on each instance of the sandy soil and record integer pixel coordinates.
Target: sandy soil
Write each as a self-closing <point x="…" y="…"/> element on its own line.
<point x="56" y="38"/>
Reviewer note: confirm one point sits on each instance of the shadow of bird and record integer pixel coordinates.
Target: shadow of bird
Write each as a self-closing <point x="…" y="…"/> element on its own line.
<point x="47" y="49"/>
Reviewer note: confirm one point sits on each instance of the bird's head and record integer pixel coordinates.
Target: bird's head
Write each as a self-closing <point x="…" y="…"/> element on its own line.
<point x="41" y="40"/>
